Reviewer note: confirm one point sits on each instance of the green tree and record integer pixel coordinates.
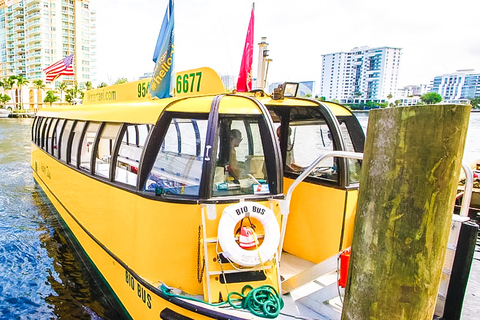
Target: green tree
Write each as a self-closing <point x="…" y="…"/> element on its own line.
<point x="73" y="93"/>
<point x="121" y="80"/>
<point x="88" y="85"/>
<point x="475" y="102"/>
<point x="50" y="97"/>
<point x="21" y="81"/>
<point x="39" y="84"/>
<point x="431" y="98"/>
<point x="102" y="85"/>
<point x="4" y="98"/>
<point x="8" y="83"/>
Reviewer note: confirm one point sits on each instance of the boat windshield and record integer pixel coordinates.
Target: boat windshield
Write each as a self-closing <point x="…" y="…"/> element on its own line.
<point x="193" y="162"/>
<point x="240" y="160"/>
<point x="177" y="169"/>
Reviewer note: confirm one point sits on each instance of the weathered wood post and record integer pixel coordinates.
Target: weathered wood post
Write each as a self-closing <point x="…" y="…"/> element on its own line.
<point x="410" y="172"/>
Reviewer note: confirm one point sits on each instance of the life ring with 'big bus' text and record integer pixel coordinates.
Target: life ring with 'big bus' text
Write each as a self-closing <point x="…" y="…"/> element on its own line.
<point x="226" y="234"/>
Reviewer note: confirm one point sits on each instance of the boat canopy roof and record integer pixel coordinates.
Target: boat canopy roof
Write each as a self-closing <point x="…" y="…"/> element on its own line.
<point x="194" y="93"/>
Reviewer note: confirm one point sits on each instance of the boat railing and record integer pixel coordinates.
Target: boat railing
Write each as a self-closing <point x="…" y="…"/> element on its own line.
<point x="467" y="196"/>
<point x="285" y="204"/>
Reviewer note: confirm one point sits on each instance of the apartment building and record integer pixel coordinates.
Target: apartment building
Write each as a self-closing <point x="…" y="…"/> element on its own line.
<point x="34" y="34"/>
<point x="360" y="75"/>
<point x="462" y="84"/>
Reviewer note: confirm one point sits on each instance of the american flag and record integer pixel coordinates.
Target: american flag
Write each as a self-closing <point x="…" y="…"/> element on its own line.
<point x="62" y="67"/>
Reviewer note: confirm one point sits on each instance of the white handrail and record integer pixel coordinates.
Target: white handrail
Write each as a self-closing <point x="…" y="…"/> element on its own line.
<point x="285" y="204"/>
<point x="467" y="193"/>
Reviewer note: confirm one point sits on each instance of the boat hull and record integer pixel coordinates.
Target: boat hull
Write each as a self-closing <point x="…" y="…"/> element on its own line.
<point x="141" y="298"/>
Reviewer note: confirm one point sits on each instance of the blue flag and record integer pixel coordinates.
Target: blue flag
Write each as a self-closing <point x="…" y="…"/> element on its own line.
<point x="162" y="83"/>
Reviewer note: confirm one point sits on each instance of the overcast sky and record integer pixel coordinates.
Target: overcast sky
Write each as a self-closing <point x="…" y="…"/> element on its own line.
<point x="436" y="36"/>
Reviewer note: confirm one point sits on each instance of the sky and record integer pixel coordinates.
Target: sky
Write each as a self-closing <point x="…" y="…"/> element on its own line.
<point x="436" y="36"/>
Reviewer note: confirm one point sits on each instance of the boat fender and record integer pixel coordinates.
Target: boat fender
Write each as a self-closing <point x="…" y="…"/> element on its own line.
<point x="226" y="234"/>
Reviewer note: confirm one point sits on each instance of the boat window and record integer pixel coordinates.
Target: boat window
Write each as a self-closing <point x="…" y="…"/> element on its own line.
<point x="306" y="142"/>
<point x="51" y="130"/>
<point x="87" y="145"/>
<point x="34" y="125"/>
<point x="65" y="136"/>
<point x="240" y="161"/>
<point x="354" y="166"/>
<point x="129" y="154"/>
<point x="56" y="135"/>
<point x="105" y="147"/>
<point x="308" y="136"/>
<point x="37" y="130"/>
<point x="76" y="136"/>
<point x="179" y="162"/>
<point x="44" y="131"/>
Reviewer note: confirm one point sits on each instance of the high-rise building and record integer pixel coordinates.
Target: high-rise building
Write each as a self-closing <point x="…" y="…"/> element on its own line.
<point x="363" y="74"/>
<point x="34" y="34"/>
<point x="462" y="84"/>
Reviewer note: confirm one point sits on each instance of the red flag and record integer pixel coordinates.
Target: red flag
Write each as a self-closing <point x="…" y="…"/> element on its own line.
<point x="244" y="82"/>
<point x="62" y="67"/>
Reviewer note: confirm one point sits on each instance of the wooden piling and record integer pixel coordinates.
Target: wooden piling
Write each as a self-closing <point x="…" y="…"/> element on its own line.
<point x="410" y="173"/>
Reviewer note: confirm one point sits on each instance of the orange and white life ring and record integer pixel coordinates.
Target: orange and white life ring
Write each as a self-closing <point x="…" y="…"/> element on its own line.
<point x="226" y="234"/>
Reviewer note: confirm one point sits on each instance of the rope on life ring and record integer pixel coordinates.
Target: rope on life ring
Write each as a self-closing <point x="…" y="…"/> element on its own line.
<point x="226" y="234"/>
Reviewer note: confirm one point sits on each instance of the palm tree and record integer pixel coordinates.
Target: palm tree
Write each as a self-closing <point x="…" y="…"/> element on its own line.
<point x="121" y="80"/>
<point x="102" y="85"/>
<point x="39" y="84"/>
<point x="50" y="97"/>
<point x="73" y="93"/>
<point x="21" y="81"/>
<point x="62" y="88"/>
<point x="88" y="85"/>
<point x="8" y="83"/>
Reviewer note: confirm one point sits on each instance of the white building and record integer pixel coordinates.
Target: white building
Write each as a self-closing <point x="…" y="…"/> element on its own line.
<point x="34" y="34"/>
<point x="457" y="86"/>
<point x="363" y="74"/>
<point x="412" y="91"/>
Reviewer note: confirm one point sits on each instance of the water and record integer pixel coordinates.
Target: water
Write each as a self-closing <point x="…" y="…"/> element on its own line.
<point x="42" y="276"/>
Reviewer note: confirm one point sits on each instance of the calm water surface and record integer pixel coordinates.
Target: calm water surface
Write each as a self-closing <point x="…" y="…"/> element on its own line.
<point x="42" y="276"/>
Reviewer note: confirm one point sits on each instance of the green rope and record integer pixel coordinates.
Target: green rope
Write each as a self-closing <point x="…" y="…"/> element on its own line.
<point x="263" y="301"/>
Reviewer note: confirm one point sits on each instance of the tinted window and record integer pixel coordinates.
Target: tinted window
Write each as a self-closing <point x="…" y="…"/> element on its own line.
<point x="64" y="139"/>
<point x="87" y="145"/>
<point x="56" y="136"/>
<point x="51" y="130"/>
<point x="128" y="159"/>
<point x="105" y="147"/>
<point x="76" y="136"/>
<point x="240" y="161"/>
<point x="179" y="163"/>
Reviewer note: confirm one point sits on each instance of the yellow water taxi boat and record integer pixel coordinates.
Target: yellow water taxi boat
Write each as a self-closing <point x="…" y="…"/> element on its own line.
<point x="182" y="203"/>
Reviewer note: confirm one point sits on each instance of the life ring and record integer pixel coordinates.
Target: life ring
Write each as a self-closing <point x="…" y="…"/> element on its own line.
<point x="226" y="229"/>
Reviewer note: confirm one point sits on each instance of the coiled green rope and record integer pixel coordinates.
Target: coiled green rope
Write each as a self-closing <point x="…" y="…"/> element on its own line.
<point x="263" y="301"/>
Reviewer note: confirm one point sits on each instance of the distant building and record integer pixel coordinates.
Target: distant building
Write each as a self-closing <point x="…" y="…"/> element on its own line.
<point x="35" y="34"/>
<point x="411" y="91"/>
<point x="462" y="84"/>
<point x="363" y="74"/>
<point x="229" y="82"/>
